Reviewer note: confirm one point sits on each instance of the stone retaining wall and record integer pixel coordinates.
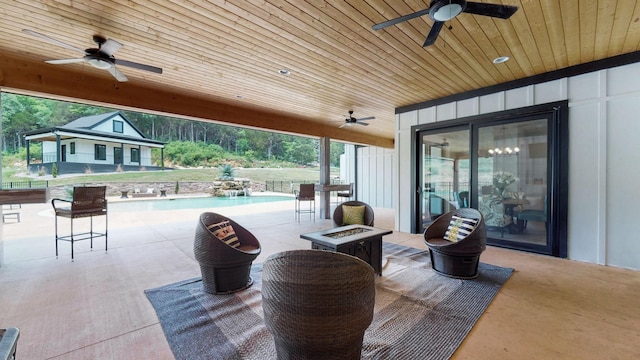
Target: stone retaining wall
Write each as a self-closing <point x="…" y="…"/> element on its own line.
<point x="214" y="188"/>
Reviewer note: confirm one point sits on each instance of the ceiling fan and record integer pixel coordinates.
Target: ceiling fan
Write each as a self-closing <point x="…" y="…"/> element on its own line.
<point x="100" y="57"/>
<point x="350" y="120"/>
<point x="443" y="10"/>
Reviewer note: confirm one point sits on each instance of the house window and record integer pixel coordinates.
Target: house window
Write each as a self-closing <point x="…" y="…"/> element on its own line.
<point x="135" y="155"/>
<point x="72" y="148"/>
<point x="118" y="126"/>
<point x="100" y="152"/>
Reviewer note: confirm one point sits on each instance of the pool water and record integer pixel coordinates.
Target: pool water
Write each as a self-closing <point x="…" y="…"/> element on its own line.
<point x="192" y="203"/>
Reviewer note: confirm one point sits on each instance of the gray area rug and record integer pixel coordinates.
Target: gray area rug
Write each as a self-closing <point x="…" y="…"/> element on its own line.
<point x="418" y="313"/>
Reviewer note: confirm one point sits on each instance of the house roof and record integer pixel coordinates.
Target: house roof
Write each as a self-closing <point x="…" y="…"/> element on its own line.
<point x="92" y="121"/>
<point x="221" y="60"/>
<point x="84" y="128"/>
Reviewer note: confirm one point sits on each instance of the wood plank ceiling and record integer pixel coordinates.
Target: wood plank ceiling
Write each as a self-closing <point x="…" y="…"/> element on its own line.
<point x="221" y="58"/>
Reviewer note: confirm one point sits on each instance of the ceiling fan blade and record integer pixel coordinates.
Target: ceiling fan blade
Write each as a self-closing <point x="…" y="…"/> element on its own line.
<point x="117" y="74"/>
<point x="367" y="118"/>
<point x="493" y="10"/>
<point x="361" y="123"/>
<point x="416" y="14"/>
<point x="65" y="61"/>
<point x="110" y="47"/>
<point x="343" y="125"/>
<point x="433" y="33"/>
<point x="51" y="40"/>
<point x="132" y="64"/>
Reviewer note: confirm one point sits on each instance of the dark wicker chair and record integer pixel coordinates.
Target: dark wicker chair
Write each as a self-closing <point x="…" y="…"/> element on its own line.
<point x="456" y="259"/>
<point x="225" y="269"/>
<point x="338" y="213"/>
<point x="88" y="201"/>
<point x="312" y="309"/>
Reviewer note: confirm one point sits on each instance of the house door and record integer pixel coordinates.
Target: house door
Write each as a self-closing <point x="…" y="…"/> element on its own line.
<point x="117" y="155"/>
<point x="63" y="153"/>
<point x="512" y="169"/>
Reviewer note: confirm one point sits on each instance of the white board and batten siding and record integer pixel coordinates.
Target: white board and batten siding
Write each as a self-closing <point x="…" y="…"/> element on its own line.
<point x="604" y="157"/>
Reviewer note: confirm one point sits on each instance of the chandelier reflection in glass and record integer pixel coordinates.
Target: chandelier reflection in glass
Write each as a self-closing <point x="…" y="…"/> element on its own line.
<point x="504" y="150"/>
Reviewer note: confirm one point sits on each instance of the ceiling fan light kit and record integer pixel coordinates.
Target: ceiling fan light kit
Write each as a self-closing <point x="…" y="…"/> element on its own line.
<point x="444" y="10"/>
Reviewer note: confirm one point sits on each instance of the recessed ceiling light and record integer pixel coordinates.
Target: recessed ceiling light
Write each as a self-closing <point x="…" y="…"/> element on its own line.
<point x="500" y="60"/>
<point x="284" y="72"/>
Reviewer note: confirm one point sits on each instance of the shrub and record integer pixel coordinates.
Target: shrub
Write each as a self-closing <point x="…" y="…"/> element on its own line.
<point x="227" y="172"/>
<point x="54" y="170"/>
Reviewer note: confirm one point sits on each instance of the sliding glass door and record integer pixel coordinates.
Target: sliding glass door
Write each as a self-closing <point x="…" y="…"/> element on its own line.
<point x="512" y="178"/>
<point x="511" y="168"/>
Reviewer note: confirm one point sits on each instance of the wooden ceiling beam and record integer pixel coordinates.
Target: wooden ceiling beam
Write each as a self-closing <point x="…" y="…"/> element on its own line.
<point x="98" y="88"/>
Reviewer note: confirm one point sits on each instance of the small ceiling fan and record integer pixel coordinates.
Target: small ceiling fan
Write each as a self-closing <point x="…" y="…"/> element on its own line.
<point x="350" y="120"/>
<point x="100" y="57"/>
<point x="444" y="10"/>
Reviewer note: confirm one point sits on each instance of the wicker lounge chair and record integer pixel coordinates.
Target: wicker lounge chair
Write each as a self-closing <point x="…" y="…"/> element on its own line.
<point x="312" y="309"/>
<point x="88" y="201"/>
<point x="338" y="212"/>
<point x="456" y="259"/>
<point x="225" y="268"/>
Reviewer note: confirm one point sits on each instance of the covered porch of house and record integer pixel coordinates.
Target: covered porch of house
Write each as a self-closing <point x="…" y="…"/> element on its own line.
<point x="550" y="308"/>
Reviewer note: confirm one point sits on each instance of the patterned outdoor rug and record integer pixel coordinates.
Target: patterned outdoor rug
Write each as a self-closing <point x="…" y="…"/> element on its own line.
<point x="418" y="313"/>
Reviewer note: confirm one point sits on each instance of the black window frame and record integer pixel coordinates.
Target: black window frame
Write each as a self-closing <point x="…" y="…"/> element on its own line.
<point x="135" y="155"/>
<point x="72" y="147"/>
<point x="99" y="152"/>
<point x="118" y="129"/>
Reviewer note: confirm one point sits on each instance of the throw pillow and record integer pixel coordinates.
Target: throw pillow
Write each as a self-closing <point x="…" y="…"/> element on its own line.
<point x="353" y="215"/>
<point x="459" y="228"/>
<point x="224" y="231"/>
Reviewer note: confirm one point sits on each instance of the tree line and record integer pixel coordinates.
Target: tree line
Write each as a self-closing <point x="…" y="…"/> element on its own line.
<point x="189" y="142"/>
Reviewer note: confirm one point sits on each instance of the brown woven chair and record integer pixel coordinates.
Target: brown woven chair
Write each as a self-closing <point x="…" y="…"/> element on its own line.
<point x="312" y="309"/>
<point x="338" y="213"/>
<point x="456" y="259"/>
<point x="224" y="268"/>
<point x="88" y="201"/>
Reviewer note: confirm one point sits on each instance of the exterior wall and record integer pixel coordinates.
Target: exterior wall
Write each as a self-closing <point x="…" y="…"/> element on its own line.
<point x="374" y="173"/>
<point x="371" y="169"/>
<point x="85" y="152"/>
<point x="603" y="156"/>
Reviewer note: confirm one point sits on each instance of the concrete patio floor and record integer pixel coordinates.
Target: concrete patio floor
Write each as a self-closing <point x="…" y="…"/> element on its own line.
<point x="95" y="307"/>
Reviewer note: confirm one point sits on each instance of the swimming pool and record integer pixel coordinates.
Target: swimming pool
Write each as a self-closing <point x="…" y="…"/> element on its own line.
<point x="192" y="203"/>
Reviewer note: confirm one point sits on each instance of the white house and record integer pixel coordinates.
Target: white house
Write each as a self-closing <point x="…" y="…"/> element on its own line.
<point x="99" y="143"/>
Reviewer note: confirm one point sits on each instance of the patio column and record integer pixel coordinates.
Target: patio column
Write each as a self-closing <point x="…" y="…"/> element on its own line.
<point x="27" y="144"/>
<point x="325" y="176"/>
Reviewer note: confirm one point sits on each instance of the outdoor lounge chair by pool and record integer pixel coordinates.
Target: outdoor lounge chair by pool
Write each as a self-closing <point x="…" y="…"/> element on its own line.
<point x="88" y="201"/>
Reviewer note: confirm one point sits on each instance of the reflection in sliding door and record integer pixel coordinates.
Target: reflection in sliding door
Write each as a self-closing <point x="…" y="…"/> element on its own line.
<point x="512" y="181"/>
<point x="444" y="174"/>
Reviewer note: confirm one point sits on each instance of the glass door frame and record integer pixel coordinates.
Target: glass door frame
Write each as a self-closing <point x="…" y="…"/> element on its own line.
<point x="557" y="168"/>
